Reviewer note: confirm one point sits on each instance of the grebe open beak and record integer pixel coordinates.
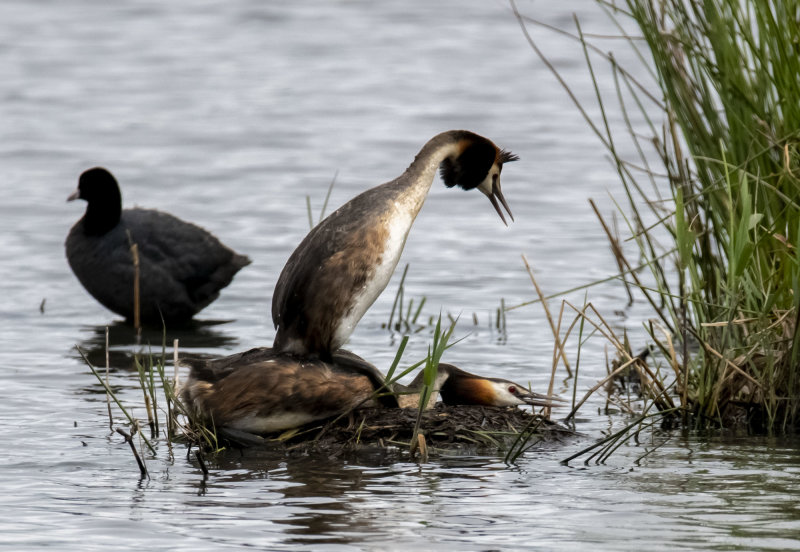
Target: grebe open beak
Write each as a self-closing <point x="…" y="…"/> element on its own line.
<point x="496" y="194"/>
<point x="490" y="187"/>
<point x="535" y="399"/>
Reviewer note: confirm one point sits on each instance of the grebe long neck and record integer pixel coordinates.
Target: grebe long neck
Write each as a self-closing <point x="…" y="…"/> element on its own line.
<point x="418" y="177"/>
<point x="346" y="261"/>
<point x="388" y="228"/>
<point x="408" y="395"/>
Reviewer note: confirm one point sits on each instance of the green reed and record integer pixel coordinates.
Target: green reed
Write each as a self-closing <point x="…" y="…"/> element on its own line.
<point x="727" y="284"/>
<point x="311" y="222"/>
<point x="431" y="369"/>
<point x="180" y="424"/>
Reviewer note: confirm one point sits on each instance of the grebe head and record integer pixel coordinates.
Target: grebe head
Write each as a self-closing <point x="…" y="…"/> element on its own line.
<point x="461" y="387"/>
<point x="508" y="393"/>
<point x="478" y="165"/>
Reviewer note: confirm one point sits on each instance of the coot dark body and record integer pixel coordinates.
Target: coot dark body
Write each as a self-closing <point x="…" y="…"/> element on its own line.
<point x="182" y="267"/>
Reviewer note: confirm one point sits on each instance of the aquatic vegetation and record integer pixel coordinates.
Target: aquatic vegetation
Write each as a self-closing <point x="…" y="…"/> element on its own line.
<point x="713" y="199"/>
<point x="407" y="317"/>
<point x="418" y="432"/>
<point x="311" y="223"/>
<point x="180" y="425"/>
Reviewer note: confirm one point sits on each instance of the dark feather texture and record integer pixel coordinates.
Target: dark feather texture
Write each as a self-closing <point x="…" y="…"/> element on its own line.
<point x="182" y="267"/>
<point x="469" y="169"/>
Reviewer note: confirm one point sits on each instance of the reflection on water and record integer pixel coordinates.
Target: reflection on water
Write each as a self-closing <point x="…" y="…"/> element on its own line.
<point x="230" y="114"/>
<point x="719" y="494"/>
<point x="317" y="488"/>
<point x="125" y="342"/>
<point x="124" y="338"/>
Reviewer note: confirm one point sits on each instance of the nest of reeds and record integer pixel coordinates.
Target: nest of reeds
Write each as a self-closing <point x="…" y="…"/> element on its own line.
<point x="445" y="429"/>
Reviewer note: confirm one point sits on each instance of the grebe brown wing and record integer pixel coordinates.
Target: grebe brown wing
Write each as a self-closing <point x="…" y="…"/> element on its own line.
<point x="346" y="359"/>
<point x="214" y="370"/>
<point x="261" y="390"/>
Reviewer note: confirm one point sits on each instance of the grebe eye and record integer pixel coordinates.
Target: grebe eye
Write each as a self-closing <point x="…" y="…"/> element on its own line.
<point x="512" y="390"/>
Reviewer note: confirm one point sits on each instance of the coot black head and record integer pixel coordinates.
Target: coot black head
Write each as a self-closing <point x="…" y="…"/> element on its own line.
<point x="100" y="190"/>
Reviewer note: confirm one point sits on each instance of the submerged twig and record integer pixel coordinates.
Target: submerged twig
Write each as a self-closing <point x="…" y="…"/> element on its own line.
<point x="201" y="460"/>
<point x="129" y="439"/>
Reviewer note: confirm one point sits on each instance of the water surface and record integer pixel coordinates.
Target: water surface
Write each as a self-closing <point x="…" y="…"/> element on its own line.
<point x="231" y="114"/>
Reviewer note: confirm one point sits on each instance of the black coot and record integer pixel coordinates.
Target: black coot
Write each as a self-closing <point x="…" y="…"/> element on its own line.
<point x="182" y="267"/>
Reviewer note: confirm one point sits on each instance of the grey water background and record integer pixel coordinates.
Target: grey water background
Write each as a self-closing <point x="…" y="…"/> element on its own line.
<point x="229" y="115"/>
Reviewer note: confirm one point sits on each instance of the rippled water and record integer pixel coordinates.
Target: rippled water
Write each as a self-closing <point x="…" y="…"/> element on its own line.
<point x="229" y="115"/>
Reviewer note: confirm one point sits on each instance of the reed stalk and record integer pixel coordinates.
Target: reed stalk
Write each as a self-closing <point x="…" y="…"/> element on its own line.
<point x="133" y="422"/>
<point x="435" y="352"/>
<point x="311" y="223"/>
<point x="719" y="178"/>
<point x="108" y="397"/>
<point x="137" y="323"/>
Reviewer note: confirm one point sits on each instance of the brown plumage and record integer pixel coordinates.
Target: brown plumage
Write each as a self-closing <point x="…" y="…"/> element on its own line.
<point x="262" y="391"/>
<point x="456" y="386"/>
<point x="345" y="262"/>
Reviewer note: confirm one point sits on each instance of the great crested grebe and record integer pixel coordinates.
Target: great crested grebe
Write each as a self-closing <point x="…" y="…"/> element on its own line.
<point x="263" y="391"/>
<point x="345" y="262"/>
<point x="456" y="386"/>
<point x="182" y="267"/>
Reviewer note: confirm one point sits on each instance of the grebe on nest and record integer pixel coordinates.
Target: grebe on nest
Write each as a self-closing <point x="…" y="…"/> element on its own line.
<point x="263" y="391"/>
<point x="182" y="267"/>
<point x="345" y="262"/>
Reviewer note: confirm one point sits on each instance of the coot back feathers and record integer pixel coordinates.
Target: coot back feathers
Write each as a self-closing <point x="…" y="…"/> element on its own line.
<point x="182" y="267"/>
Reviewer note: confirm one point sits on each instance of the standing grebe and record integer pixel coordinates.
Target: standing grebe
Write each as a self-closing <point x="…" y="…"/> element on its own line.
<point x="182" y="267"/>
<point x="262" y="391"/>
<point x="345" y="262"/>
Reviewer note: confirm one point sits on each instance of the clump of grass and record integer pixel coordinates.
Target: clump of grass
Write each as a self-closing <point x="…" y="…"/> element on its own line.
<point x="311" y="222"/>
<point x="167" y="418"/>
<point x="415" y="430"/>
<point x="407" y="316"/>
<point x="430" y="372"/>
<point x="729" y="72"/>
<point x="726" y="287"/>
